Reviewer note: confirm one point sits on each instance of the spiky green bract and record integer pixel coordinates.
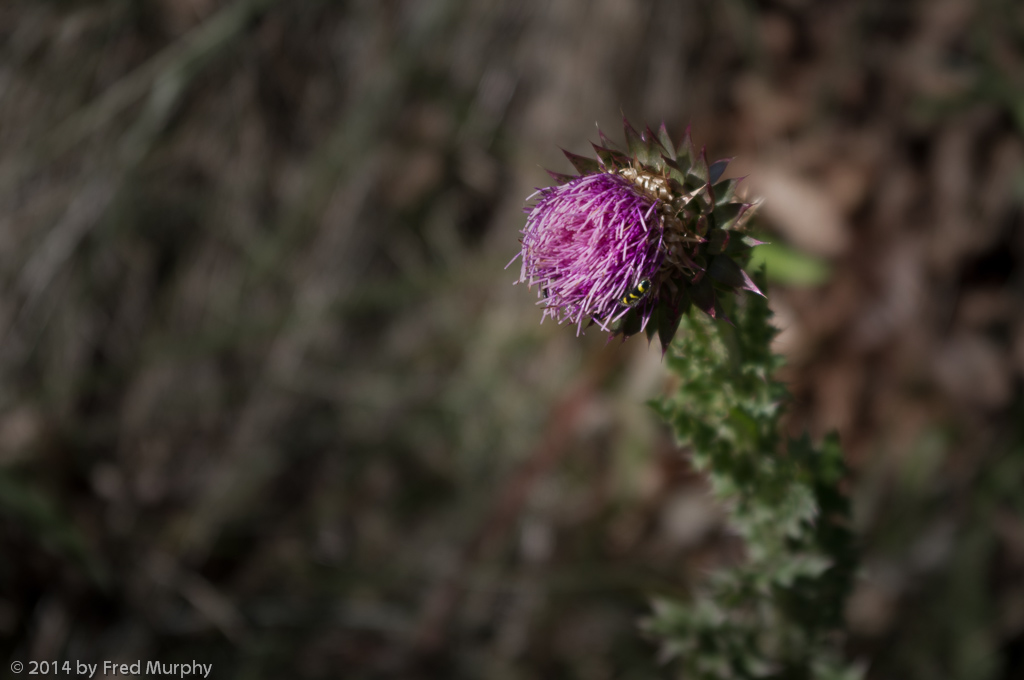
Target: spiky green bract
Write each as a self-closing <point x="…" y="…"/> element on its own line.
<point x="779" y="613"/>
<point x="700" y="220"/>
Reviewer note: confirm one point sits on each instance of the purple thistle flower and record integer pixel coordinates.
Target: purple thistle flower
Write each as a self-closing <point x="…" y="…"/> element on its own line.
<point x="587" y="243"/>
<point x="637" y="239"/>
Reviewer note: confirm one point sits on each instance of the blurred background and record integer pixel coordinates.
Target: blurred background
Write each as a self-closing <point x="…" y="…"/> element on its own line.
<point x="268" y="399"/>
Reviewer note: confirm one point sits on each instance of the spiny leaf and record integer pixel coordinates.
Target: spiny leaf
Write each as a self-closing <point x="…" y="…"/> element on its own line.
<point x="739" y="244"/>
<point x="675" y="183"/>
<point x="718" y="240"/>
<point x="685" y="148"/>
<point x="703" y="295"/>
<point x="656" y="145"/>
<point x="777" y="615"/>
<point x="702" y="225"/>
<point x="746" y="213"/>
<point x="694" y="183"/>
<point x="726" y="215"/>
<point x="699" y="168"/>
<point x="667" y="327"/>
<point x="716" y="169"/>
<point x="583" y="165"/>
<point x="656" y="161"/>
<point x="725" y="271"/>
<point x="666" y="141"/>
<point x="639" y="148"/>
<point x="604" y="156"/>
<point x="675" y="172"/>
<point x="725" y="190"/>
<point x="607" y="143"/>
<point x="611" y="158"/>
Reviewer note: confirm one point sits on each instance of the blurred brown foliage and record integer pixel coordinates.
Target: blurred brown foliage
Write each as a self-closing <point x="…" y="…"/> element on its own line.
<point x="267" y="398"/>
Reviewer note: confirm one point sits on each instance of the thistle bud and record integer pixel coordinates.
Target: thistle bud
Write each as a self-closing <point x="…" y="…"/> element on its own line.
<point x="636" y="238"/>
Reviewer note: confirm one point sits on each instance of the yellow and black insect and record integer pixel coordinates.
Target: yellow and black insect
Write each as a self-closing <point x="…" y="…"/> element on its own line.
<point x="637" y="294"/>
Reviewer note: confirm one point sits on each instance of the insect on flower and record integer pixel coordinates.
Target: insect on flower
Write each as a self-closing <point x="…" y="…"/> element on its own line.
<point x="637" y="294"/>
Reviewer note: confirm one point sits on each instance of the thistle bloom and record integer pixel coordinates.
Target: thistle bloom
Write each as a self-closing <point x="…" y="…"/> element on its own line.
<point x="586" y="244"/>
<point x="637" y="237"/>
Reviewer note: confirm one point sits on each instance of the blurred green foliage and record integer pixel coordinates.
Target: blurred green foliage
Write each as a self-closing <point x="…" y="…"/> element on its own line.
<point x="787" y="266"/>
